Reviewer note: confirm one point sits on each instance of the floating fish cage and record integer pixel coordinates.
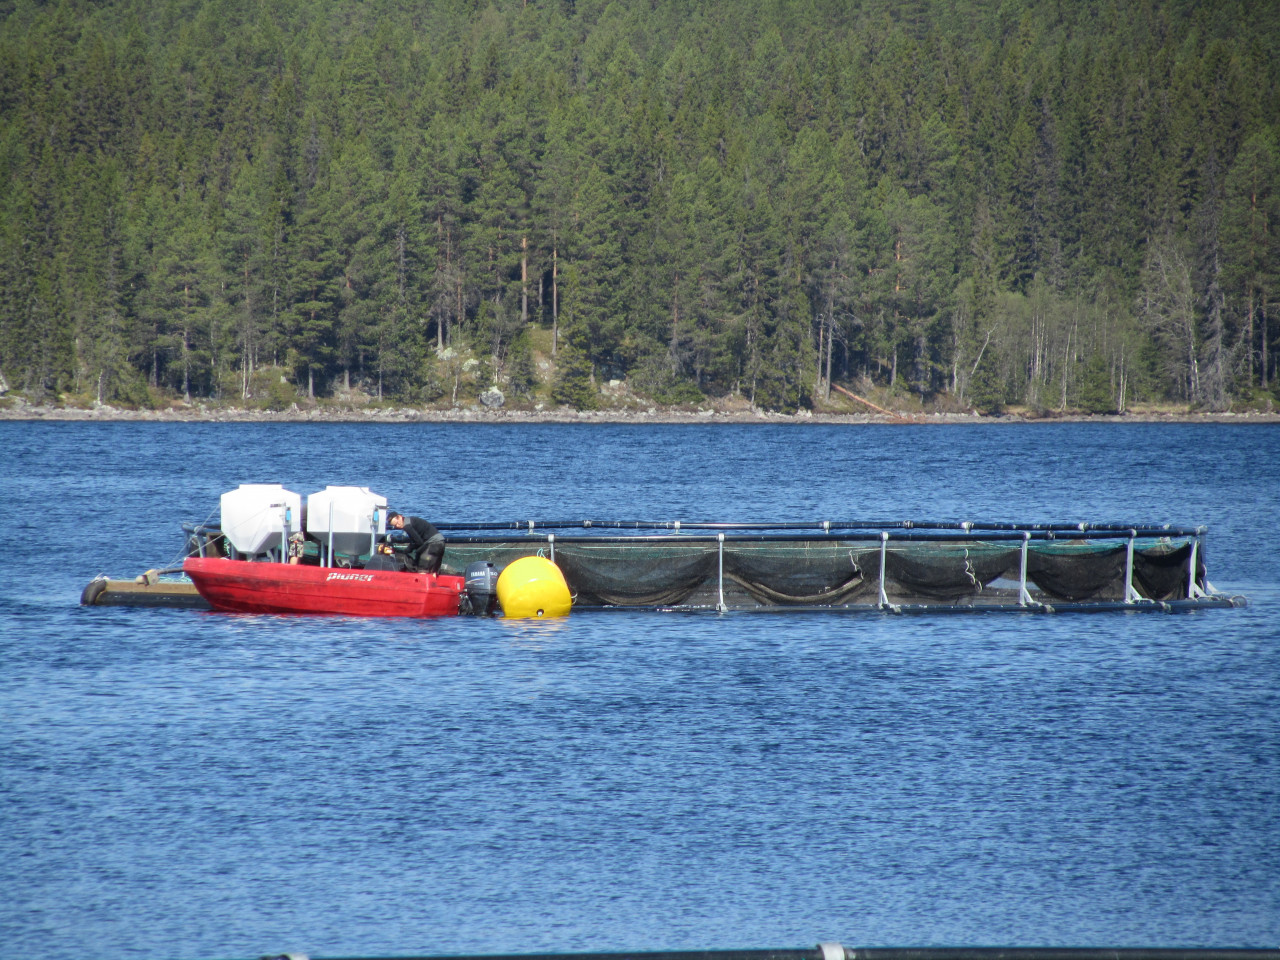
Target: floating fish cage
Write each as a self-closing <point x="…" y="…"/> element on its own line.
<point x="896" y="566"/>
<point x="887" y="566"/>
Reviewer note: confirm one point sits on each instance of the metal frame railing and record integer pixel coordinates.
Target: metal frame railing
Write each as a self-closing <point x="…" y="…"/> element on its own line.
<point x="830" y="526"/>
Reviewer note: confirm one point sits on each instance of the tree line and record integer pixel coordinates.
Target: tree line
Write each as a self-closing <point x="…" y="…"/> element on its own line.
<point x="1049" y="204"/>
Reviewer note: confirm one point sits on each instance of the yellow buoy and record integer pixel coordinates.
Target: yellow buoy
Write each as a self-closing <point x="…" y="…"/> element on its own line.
<point x="533" y="587"/>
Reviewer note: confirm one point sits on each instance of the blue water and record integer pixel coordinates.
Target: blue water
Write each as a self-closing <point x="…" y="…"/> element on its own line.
<point x="178" y="784"/>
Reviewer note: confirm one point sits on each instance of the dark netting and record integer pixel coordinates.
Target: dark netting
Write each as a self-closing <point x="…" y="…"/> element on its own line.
<point x="942" y="571"/>
<point x="804" y="572"/>
<point x="636" y="574"/>
<point x="781" y="570"/>
<point x="1160" y="572"/>
<point x="458" y="555"/>
<point x="1077" y="570"/>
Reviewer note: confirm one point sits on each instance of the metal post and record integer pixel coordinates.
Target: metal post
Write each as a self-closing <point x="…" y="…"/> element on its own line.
<point x="331" y="531"/>
<point x="551" y="541"/>
<point x="1130" y="594"/>
<point x="1193" y="589"/>
<point x="884" y="549"/>
<point x="1024" y="597"/>
<point x="720" y="544"/>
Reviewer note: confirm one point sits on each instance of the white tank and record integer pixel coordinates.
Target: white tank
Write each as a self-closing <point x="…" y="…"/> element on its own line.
<point x="254" y="516"/>
<point x="352" y="513"/>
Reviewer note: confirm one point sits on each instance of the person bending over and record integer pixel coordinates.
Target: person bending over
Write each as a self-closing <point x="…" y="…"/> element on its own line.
<point x="426" y="543"/>
<point x="384" y="558"/>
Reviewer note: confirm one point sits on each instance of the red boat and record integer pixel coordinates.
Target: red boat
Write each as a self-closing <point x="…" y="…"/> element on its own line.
<point x="242" y="586"/>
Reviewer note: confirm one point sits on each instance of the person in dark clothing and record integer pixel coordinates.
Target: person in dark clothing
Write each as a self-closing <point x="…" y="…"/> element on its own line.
<point x="384" y="559"/>
<point x="426" y="543"/>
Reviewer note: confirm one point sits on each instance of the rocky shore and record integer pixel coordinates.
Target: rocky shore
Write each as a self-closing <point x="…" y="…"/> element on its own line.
<point x="17" y="409"/>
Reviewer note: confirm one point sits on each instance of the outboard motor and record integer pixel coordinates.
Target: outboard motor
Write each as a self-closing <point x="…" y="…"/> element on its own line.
<point x="482" y="588"/>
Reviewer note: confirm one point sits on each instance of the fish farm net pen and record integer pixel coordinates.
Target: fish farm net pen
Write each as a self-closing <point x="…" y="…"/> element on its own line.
<point x="906" y="568"/>
<point x="899" y="566"/>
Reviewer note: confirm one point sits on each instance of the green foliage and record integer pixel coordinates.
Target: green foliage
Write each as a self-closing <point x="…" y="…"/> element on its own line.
<point x="191" y="196"/>
<point x="521" y="371"/>
<point x="988" y="391"/>
<point x="279" y="393"/>
<point x="655" y="379"/>
<point x="573" y="385"/>
<point x="1096" y="394"/>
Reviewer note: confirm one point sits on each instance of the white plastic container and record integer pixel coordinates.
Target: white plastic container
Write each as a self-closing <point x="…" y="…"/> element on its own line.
<point x="257" y="517"/>
<point x="346" y="517"/>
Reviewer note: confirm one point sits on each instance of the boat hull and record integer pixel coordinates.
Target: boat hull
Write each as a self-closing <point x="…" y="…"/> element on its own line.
<point x="242" y="587"/>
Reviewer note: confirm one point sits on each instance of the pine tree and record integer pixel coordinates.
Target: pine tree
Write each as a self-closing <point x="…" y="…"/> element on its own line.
<point x="1251" y="248"/>
<point x="759" y="197"/>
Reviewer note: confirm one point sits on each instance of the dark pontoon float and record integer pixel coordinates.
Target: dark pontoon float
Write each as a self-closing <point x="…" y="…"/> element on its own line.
<point x="837" y="951"/>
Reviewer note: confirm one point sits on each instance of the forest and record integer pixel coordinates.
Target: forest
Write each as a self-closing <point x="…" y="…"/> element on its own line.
<point x="977" y="203"/>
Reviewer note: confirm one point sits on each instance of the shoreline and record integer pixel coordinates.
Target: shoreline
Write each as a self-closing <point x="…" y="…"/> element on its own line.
<point x="22" y="411"/>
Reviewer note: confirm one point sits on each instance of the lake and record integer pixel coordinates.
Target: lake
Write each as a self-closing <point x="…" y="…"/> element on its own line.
<point x="182" y="784"/>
